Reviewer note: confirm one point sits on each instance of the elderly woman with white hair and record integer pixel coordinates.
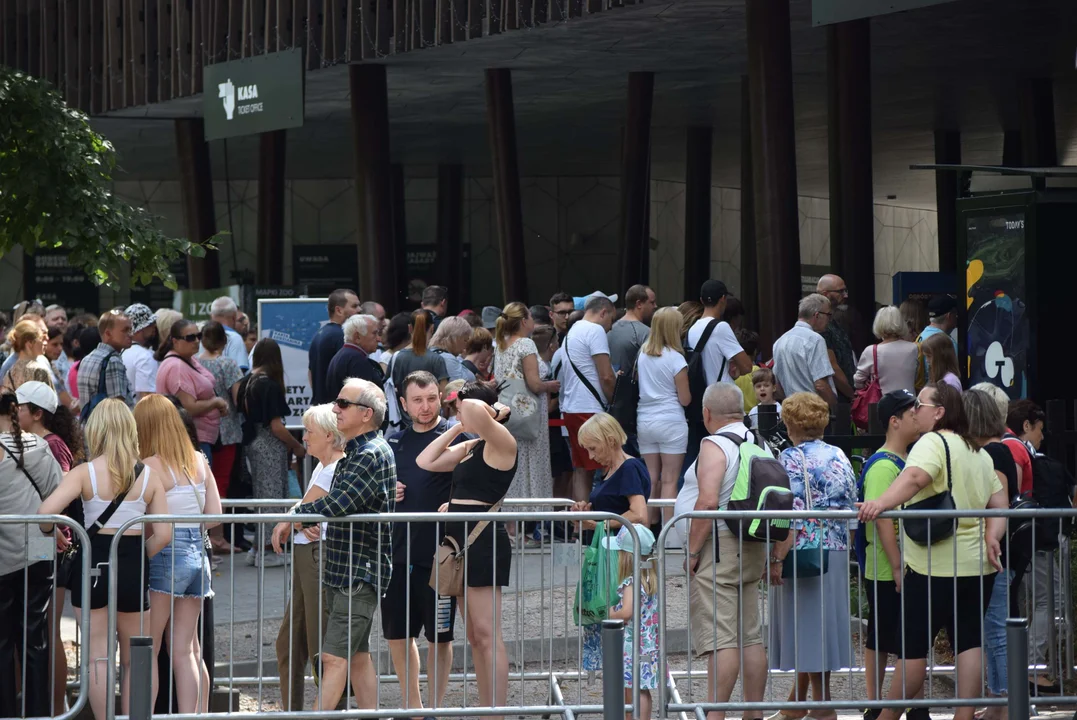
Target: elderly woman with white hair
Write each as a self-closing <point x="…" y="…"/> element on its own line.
<point x="303" y="626"/>
<point x="893" y="359"/>
<point x="450" y="341"/>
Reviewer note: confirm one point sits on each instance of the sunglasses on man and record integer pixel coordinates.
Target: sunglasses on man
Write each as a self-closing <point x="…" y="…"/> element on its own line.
<point x="345" y="403"/>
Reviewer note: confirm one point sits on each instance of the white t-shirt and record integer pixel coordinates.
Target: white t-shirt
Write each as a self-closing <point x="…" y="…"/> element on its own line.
<point x="722" y="345"/>
<point x="658" y="401"/>
<point x="323" y="478"/>
<point x="753" y="414"/>
<point x="689" y="493"/>
<point x="141" y="369"/>
<point x="584" y="340"/>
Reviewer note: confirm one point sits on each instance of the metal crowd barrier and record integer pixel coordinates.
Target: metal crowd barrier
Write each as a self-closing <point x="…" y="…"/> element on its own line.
<point x="676" y="692"/>
<point x="41" y="548"/>
<point x="549" y="676"/>
<point x="759" y="591"/>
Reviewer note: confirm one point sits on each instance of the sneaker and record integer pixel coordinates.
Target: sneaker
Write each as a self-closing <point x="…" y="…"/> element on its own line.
<point x="918" y="714"/>
<point x="250" y="557"/>
<point x="269" y="559"/>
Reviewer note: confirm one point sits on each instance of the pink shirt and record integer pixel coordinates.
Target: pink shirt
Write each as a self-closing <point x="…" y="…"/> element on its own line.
<point x="176" y="375"/>
<point x="72" y="379"/>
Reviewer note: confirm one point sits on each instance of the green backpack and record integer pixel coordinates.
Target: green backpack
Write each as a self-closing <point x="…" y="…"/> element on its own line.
<point x="762" y="484"/>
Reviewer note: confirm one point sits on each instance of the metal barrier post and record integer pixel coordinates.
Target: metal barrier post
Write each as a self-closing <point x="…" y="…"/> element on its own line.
<point x="1017" y="668"/>
<point x="613" y="676"/>
<point x="141" y="677"/>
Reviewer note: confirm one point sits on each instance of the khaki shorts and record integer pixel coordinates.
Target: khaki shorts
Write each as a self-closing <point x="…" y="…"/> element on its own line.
<point x="351" y="615"/>
<point x="725" y="596"/>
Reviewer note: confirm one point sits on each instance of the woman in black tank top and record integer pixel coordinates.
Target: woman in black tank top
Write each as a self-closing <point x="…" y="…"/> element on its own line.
<point x="482" y="472"/>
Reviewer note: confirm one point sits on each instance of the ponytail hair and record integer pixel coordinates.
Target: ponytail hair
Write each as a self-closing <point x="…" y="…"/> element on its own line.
<point x="509" y="322"/>
<point x="422" y="322"/>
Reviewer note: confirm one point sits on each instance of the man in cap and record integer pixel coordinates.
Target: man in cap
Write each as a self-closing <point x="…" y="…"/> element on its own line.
<point x="942" y="318"/>
<point x="580" y="303"/>
<point x="882" y="556"/>
<point x="138" y="359"/>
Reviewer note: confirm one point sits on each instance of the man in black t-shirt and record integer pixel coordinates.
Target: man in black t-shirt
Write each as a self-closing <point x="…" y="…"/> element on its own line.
<point x="410" y="605"/>
<point x="327" y="342"/>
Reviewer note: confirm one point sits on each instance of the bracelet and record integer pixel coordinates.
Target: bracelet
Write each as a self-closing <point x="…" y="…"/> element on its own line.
<point x="774" y="560"/>
<point x="695" y="554"/>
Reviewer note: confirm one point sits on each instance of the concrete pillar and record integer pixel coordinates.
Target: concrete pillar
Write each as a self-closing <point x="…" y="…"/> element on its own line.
<point x="270" y="253"/>
<point x="1038" y="140"/>
<point x="947" y="152"/>
<point x="450" y="234"/>
<point x="501" y="119"/>
<point x="378" y="275"/>
<point x="636" y="181"/>
<point x="196" y="189"/>
<point x="774" y="166"/>
<point x="852" y="213"/>
<point x="697" y="209"/>
<point x="749" y="262"/>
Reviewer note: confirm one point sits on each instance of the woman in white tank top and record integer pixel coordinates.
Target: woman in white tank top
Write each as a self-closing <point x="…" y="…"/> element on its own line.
<point x="113" y="473"/>
<point x="180" y="575"/>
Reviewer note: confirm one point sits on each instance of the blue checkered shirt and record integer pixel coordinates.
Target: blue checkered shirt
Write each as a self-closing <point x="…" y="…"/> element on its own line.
<point x="364" y="483"/>
<point x="89" y="375"/>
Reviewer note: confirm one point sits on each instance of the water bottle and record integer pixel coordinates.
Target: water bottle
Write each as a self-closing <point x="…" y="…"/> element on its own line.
<point x="444" y="614"/>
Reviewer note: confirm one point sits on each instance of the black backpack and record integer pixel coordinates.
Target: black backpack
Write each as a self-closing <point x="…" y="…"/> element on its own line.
<point x="697" y="375"/>
<point x="1052" y="487"/>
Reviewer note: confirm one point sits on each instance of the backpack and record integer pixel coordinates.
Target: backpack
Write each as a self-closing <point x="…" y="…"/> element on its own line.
<point x="762" y="484"/>
<point x="392" y="414"/>
<point x="860" y="542"/>
<point x="1052" y="487"/>
<point x="102" y="391"/>
<point x="697" y="374"/>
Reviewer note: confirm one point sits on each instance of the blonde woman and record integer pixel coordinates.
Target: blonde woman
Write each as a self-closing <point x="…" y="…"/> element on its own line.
<point x="179" y="575"/>
<point x="303" y="626"/>
<point x="450" y="341"/>
<point x="893" y="359"/>
<point x="113" y="491"/>
<point x="663" y="395"/>
<point x="516" y="357"/>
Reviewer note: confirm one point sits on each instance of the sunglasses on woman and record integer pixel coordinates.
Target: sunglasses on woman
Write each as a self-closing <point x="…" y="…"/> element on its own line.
<point x="192" y="337"/>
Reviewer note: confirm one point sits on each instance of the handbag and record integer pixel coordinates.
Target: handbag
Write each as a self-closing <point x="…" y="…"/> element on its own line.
<point x="526" y="421"/>
<point x="597" y="590"/>
<point x="447" y="577"/>
<point x="810" y="556"/>
<point x="624" y="407"/>
<point x="868" y="395"/>
<point x="929" y="531"/>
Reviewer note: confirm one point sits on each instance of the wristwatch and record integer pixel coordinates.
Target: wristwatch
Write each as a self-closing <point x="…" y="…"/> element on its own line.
<point x="774" y="560"/>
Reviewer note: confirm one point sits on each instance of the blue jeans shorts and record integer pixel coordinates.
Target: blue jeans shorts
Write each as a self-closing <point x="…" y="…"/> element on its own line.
<point x="182" y="568"/>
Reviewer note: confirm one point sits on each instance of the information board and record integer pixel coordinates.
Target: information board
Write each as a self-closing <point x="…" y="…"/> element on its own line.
<point x="321" y="269"/>
<point x="50" y="278"/>
<point x="293" y="323"/>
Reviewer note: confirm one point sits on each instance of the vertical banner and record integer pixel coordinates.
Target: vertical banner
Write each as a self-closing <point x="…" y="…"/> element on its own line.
<point x="292" y="323"/>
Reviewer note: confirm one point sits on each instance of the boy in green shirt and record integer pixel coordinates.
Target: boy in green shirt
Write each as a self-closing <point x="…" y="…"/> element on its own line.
<point x="882" y="558"/>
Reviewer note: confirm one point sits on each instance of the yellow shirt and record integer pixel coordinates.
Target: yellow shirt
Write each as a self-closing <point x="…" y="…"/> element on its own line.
<point x="744" y="382"/>
<point x="974" y="483"/>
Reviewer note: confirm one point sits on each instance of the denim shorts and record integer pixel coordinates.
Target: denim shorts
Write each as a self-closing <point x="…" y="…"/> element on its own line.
<point x="182" y="568"/>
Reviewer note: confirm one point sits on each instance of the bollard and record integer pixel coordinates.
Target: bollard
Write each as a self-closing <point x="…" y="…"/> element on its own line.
<point x="1017" y="668"/>
<point x="613" y="676"/>
<point x="141" y="677"/>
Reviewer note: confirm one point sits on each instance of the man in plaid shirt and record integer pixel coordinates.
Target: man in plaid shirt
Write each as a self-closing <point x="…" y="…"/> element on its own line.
<point x="115" y="329"/>
<point x="358" y="556"/>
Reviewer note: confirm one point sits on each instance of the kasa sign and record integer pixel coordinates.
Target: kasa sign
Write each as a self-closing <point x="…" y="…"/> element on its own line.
<point x="254" y="95"/>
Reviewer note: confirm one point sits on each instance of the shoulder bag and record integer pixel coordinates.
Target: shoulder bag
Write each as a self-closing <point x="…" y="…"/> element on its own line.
<point x="624" y="406"/>
<point x="583" y="378"/>
<point x="868" y="395"/>
<point x="526" y="421"/>
<point x="810" y="557"/>
<point x="447" y="577"/>
<point x="929" y="531"/>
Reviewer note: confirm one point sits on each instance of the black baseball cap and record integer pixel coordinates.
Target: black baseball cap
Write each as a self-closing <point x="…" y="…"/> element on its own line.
<point x="712" y="291"/>
<point x="894" y="403"/>
<point x="940" y="305"/>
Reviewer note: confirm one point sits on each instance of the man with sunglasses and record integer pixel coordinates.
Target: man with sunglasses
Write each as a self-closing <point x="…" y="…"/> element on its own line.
<point x="838" y="345"/>
<point x="358" y="556"/>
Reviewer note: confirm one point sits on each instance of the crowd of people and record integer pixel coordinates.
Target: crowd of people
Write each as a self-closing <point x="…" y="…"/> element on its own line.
<point x="138" y="412"/>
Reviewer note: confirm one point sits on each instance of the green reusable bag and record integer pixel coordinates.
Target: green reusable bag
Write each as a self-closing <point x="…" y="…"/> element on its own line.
<point x="597" y="590"/>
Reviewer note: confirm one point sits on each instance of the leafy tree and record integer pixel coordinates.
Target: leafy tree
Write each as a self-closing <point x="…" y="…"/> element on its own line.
<point x="55" y="191"/>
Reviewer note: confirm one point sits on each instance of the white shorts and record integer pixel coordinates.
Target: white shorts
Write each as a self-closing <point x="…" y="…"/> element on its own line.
<point x="665" y="437"/>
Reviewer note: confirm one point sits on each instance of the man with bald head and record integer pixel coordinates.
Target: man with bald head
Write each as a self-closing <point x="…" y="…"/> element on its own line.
<point x="838" y="346"/>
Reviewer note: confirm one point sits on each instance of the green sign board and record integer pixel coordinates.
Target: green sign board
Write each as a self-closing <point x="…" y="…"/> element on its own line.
<point x="195" y="304"/>
<point x="253" y="95"/>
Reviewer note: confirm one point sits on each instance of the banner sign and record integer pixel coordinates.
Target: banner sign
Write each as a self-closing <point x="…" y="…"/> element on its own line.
<point x="257" y="94"/>
<point x="293" y="323"/>
<point x="195" y="304"/>
<point x="321" y="269"/>
<point x="50" y="278"/>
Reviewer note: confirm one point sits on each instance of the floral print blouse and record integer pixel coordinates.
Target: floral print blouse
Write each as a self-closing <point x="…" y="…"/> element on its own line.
<point x="831" y="481"/>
